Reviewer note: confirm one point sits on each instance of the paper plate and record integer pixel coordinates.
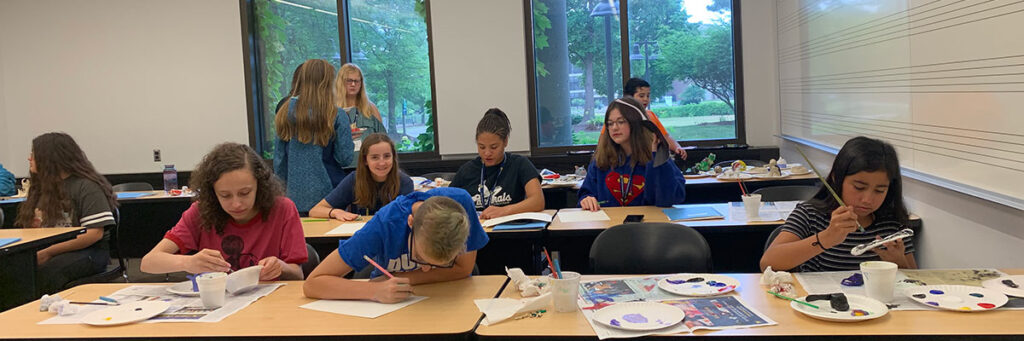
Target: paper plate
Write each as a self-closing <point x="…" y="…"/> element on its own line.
<point x="736" y="176"/>
<point x="957" y="297"/>
<point x="861" y="308"/>
<point x="998" y="285"/>
<point x="183" y="289"/>
<point x="766" y="176"/>
<point x="639" y="316"/>
<point x="698" y="284"/>
<point x="126" y="313"/>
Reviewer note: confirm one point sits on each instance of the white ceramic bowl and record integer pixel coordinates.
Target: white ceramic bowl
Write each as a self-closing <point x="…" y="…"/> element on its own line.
<point x="243" y="280"/>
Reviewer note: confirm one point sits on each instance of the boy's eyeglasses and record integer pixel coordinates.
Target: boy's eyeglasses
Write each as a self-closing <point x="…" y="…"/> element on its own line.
<point x="412" y="256"/>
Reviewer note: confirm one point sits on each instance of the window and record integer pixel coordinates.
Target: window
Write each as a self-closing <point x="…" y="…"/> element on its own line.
<point x="683" y="48"/>
<point x="385" y="38"/>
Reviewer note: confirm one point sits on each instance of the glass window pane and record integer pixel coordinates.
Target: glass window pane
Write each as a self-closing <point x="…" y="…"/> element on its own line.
<point x="578" y="68"/>
<point x="287" y="34"/>
<point x="684" y="49"/>
<point x="389" y="43"/>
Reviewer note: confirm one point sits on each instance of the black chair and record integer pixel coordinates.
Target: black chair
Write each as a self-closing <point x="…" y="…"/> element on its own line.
<point x="650" y="248"/>
<point x="771" y="237"/>
<point x="133" y="186"/>
<point x="1" y="218"/>
<point x="312" y="260"/>
<point x="447" y="176"/>
<point x="787" y="193"/>
<point x="728" y="163"/>
<point x="113" y="270"/>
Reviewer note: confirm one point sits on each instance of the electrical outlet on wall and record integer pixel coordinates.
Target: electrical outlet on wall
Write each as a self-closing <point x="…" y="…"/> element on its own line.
<point x="156" y="155"/>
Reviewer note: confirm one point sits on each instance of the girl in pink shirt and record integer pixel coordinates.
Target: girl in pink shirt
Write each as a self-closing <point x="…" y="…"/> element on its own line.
<point x="240" y="219"/>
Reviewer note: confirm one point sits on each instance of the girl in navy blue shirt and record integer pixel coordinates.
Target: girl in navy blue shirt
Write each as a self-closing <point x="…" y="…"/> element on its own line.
<point x="375" y="182"/>
<point x="631" y="166"/>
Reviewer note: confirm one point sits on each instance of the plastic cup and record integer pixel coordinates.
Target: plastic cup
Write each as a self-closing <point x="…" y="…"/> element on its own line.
<point x="564" y="291"/>
<point x="212" y="286"/>
<point x="752" y="204"/>
<point x="879" y="279"/>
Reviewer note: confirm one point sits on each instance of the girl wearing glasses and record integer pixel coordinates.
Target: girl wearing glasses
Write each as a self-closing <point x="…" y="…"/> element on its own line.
<point x="313" y="137"/>
<point x="375" y="182"/>
<point x="631" y="166"/>
<point x="422" y="237"/>
<point x="350" y="96"/>
<point x="500" y="183"/>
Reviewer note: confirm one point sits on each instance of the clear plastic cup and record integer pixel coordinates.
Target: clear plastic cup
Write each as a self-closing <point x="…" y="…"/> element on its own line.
<point x="752" y="204"/>
<point x="564" y="291"/>
<point x="879" y="279"/>
<point x="212" y="286"/>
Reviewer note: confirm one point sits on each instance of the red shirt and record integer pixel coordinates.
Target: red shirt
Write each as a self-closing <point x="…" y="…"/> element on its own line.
<point x="280" y="235"/>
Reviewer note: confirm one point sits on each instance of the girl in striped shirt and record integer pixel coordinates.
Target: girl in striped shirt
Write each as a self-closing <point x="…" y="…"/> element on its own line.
<point x="819" y="234"/>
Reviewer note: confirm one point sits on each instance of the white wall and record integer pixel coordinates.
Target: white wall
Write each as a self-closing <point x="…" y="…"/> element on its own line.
<point x="123" y="77"/>
<point x="760" y="72"/>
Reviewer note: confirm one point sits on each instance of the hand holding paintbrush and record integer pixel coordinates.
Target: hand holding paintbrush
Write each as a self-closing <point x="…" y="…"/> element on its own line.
<point x="825" y="183"/>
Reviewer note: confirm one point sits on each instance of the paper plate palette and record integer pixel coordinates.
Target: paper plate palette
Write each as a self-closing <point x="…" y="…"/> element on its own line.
<point x="183" y="289"/>
<point x="126" y="313"/>
<point x="1001" y="285"/>
<point x="698" y="284"/>
<point x="861" y="308"/>
<point x="639" y="316"/>
<point x="957" y="297"/>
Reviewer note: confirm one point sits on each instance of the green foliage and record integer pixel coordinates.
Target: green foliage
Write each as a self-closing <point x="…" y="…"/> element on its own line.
<point x="425" y="142"/>
<point x="541" y="24"/>
<point x="707" y="108"/>
<point x="693" y="94"/>
<point x="650" y="21"/>
<point x="704" y="57"/>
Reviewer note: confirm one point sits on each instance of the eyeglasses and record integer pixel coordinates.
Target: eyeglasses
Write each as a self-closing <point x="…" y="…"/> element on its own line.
<point x="352" y="81"/>
<point x="617" y="122"/>
<point x="412" y="256"/>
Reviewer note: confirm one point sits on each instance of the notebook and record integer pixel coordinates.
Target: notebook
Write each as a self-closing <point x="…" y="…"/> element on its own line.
<point x="690" y="212"/>
<point x="525" y="217"/>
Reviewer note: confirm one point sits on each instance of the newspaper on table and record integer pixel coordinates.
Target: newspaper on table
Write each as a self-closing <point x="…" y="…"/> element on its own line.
<point x="831" y="281"/>
<point x="183" y="308"/>
<point x="720" y="312"/>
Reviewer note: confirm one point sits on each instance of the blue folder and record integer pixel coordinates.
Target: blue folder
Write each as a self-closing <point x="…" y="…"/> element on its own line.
<point x="5" y="241"/>
<point x="533" y="225"/>
<point x="132" y="195"/>
<point x="692" y="213"/>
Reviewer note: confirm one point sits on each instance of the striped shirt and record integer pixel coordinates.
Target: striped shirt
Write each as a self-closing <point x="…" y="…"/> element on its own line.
<point x="806" y="220"/>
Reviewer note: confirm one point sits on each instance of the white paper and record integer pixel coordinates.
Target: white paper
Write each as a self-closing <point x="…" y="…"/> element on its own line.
<point x="360" y="308"/>
<point x="539" y="216"/>
<point x="767" y="212"/>
<point x="183" y="308"/>
<point x="500" y="309"/>
<point x="346" y="228"/>
<point x="581" y="216"/>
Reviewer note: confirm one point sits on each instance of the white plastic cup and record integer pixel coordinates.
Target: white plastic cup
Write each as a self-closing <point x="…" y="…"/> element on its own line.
<point x="752" y="204"/>
<point x="564" y="291"/>
<point x="879" y="279"/>
<point x="212" y="288"/>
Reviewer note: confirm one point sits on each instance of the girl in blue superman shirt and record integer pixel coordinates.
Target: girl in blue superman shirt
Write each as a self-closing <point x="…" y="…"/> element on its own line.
<point x="631" y="166"/>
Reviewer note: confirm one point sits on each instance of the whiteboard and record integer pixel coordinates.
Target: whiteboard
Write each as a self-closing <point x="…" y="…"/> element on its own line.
<point x="941" y="80"/>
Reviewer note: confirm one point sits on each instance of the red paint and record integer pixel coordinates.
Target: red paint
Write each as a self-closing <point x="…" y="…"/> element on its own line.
<point x="987" y="305"/>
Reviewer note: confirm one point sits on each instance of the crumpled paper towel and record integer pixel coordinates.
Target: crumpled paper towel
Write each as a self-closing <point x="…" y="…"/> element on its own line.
<point x="527" y="287"/>
<point x="500" y="309"/>
<point x="778" y="281"/>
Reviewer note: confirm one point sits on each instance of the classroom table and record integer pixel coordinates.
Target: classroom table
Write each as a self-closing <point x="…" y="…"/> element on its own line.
<point x="449" y="313"/>
<point x="18" y="261"/>
<point x="923" y="325"/>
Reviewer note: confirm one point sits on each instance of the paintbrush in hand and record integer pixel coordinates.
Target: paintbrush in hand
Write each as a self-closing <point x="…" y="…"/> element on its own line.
<point x="830" y="190"/>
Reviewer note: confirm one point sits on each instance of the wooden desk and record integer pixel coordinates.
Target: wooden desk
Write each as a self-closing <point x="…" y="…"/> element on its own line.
<point x="790" y="323"/>
<point x="448" y="312"/>
<point x="18" y="261"/>
<point x="317" y="229"/>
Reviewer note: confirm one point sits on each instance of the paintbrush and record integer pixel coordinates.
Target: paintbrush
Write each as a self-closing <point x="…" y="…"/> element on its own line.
<point x="830" y="190"/>
<point x="792" y="299"/>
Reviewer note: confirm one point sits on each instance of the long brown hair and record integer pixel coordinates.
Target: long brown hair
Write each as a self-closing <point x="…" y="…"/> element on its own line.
<point x="55" y="155"/>
<point x="368" y="192"/>
<point x="227" y="157"/>
<point x="362" y="102"/>
<point x="314" y="109"/>
<point x="610" y="154"/>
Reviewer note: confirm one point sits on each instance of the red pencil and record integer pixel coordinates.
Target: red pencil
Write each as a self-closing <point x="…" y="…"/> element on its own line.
<point x="378" y="266"/>
<point x="742" y="189"/>
<point x="550" y="264"/>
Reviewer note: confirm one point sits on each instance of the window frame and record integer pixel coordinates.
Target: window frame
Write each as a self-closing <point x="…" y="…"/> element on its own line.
<point x="253" y="95"/>
<point x="531" y="82"/>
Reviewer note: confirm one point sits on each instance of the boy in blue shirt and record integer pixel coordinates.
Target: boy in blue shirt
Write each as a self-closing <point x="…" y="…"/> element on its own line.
<point x="7" y="186"/>
<point x="436" y="232"/>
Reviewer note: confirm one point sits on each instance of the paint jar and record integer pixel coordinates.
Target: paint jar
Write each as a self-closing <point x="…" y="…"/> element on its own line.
<point x="564" y="291"/>
<point x="879" y="279"/>
<point x="212" y="286"/>
<point x="752" y="204"/>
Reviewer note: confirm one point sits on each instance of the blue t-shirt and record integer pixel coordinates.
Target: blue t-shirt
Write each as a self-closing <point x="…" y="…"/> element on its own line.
<point x="385" y="237"/>
<point x="344" y="196"/>
<point x="642" y="185"/>
<point x="7" y="186"/>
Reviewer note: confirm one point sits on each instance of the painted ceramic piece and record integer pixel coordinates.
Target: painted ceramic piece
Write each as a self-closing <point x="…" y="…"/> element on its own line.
<point x="962" y="298"/>
<point x="862" y="308"/>
<point x="698" y="284"/>
<point x="639" y="316"/>
<point x="1009" y="285"/>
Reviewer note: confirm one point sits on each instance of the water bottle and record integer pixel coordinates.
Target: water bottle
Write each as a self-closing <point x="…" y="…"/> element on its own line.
<point x="170" y="178"/>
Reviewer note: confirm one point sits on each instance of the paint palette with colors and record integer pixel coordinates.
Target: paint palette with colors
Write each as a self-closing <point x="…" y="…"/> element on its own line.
<point x="957" y="297"/>
<point x="1009" y="285"/>
<point x="862" y="308"/>
<point x="698" y="284"/>
<point x="126" y="313"/>
<point x="639" y="316"/>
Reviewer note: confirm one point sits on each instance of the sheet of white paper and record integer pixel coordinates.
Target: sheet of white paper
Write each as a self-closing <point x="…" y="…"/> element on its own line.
<point x="580" y="216"/>
<point x="346" y="228"/>
<point x="538" y="216"/>
<point x="767" y="212"/>
<point x="358" y="308"/>
<point x="499" y="309"/>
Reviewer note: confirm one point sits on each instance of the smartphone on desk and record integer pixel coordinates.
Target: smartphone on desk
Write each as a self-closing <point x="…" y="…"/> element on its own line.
<point x="633" y="218"/>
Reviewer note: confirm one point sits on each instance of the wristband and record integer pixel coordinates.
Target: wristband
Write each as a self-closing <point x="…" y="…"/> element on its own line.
<point x="818" y="243"/>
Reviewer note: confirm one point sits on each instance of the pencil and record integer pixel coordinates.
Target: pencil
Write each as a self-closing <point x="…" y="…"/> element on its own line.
<point x="552" y="265"/>
<point x="309" y="220"/>
<point x="367" y="258"/>
<point x="93" y="303"/>
<point x="830" y="190"/>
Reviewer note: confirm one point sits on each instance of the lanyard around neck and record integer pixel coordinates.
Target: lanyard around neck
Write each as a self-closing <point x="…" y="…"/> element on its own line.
<point x="629" y="184"/>
<point x="486" y="199"/>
